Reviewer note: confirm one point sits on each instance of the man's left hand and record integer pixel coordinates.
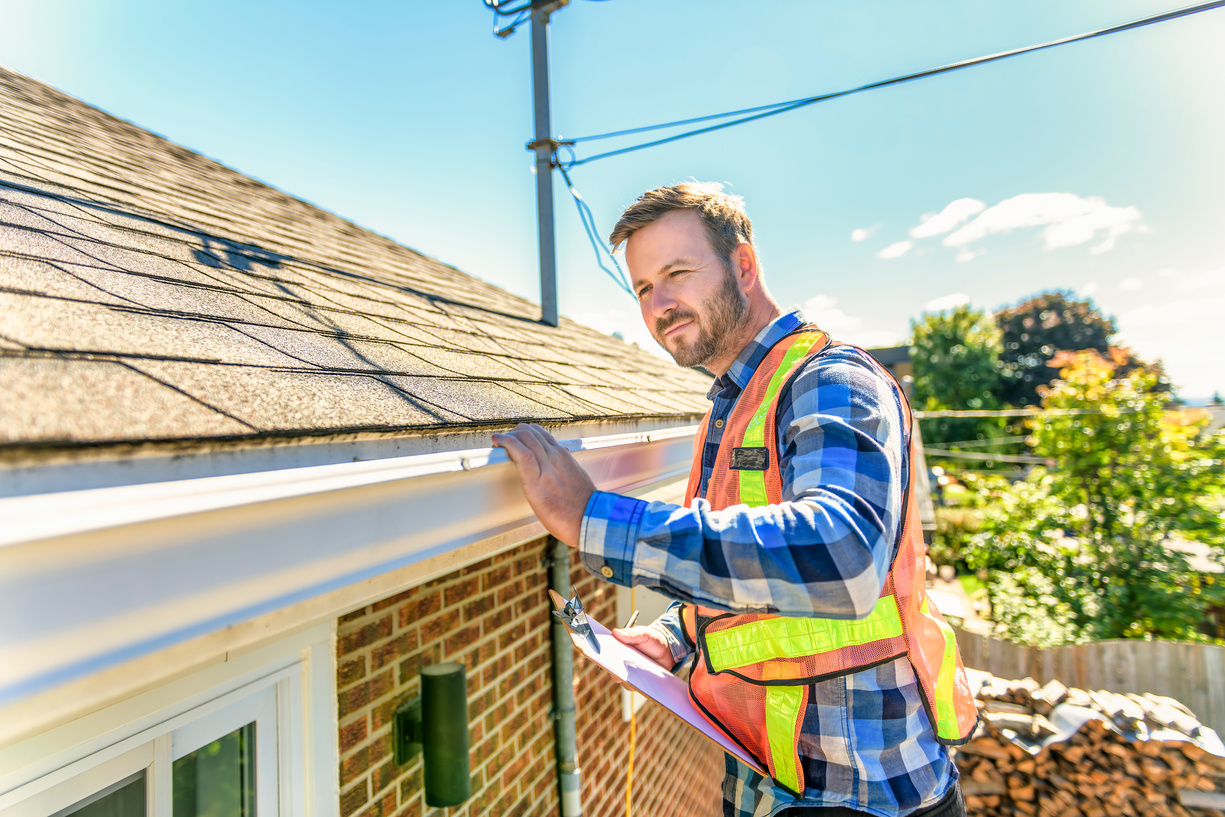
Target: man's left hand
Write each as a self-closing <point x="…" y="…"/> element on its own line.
<point x="555" y="485"/>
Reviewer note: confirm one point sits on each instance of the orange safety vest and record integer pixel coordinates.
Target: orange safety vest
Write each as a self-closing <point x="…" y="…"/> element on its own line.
<point x="755" y="669"/>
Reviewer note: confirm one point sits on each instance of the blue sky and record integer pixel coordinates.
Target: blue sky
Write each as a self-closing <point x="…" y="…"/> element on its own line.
<point x="1096" y="166"/>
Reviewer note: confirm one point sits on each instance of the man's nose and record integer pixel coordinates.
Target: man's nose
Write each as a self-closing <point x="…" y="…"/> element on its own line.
<point x="662" y="300"/>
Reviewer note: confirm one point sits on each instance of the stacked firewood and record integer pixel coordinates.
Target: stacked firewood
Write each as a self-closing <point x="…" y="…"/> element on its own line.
<point x="1050" y="751"/>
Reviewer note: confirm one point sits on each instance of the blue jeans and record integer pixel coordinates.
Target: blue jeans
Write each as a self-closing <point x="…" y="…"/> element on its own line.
<point x="951" y="804"/>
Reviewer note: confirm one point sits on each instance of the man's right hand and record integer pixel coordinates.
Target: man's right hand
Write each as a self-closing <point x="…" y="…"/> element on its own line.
<point x="649" y="642"/>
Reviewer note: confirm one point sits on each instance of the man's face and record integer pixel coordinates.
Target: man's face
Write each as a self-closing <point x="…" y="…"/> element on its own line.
<point x="690" y="302"/>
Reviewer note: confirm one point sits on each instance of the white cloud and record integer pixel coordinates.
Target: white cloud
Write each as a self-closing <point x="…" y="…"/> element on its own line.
<point x="955" y="212"/>
<point x="1069" y="221"/>
<point x="1182" y="331"/>
<point x="824" y="311"/>
<point x="945" y="302"/>
<point x="1088" y="289"/>
<point x="860" y="233"/>
<point x="1131" y="283"/>
<point x="896" y="250"/>
<point x="966" y="254"/>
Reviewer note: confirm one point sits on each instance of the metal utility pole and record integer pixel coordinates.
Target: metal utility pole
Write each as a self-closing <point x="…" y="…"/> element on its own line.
<point x="544" y="146"/>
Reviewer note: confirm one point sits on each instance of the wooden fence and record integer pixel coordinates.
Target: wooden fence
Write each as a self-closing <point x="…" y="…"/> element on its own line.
<point x="1193" y="674"/>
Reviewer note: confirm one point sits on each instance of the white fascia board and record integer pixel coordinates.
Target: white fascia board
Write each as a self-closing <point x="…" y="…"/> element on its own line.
<point x="95" y="578"/>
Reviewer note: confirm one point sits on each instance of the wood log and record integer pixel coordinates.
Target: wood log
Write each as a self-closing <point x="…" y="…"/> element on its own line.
<point x="1194" y="798"/>
<point x="1098" y="772"/>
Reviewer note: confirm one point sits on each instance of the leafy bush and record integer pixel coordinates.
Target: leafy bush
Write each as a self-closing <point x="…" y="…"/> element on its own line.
<point x="1085" y="551"/>
<point x="955" y="529"/>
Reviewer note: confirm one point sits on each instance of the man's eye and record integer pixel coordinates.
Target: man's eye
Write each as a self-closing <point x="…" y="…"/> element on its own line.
<point x="642" y="292"/>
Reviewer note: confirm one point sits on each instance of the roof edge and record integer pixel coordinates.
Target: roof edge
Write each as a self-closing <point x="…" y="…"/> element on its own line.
<point x="27" y="470"/>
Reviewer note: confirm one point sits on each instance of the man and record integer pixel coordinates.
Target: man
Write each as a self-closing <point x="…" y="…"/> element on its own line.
<point x="812" y="642"/>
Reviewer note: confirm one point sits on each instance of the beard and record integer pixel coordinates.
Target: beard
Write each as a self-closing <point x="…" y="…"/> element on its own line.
<point x="717" y="320"/>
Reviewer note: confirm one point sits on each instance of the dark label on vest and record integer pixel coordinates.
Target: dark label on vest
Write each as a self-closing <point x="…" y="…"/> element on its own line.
<point x="750" y="459"/>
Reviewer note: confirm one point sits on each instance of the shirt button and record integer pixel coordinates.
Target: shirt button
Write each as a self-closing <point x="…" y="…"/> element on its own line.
<point x="719" y="423"/>
<point x="606" y="572"/>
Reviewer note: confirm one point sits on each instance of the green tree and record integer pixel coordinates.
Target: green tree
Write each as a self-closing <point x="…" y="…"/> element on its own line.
<point x="1088" y="550"/>
<point x="955" y="356"/>
<point x="1033" y="331"/>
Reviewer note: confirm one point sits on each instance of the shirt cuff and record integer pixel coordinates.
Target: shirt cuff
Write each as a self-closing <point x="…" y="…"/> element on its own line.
<point x="670" y="627"/>
<point x="609" y="534"/>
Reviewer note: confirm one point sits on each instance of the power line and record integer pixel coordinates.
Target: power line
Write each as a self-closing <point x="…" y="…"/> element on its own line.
<point x="782" y="107"/>
<point x="593" y="234"/>
<point x="1030" y="412"/>
<point x="974" y="455"/>
<point x="992" y="441"/>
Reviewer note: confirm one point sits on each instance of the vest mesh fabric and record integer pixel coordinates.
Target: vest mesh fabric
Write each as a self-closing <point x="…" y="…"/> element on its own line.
<point x="751" y="672"/>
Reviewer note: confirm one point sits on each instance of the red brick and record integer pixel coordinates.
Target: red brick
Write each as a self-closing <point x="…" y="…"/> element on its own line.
<point x="363" y="637"/>
<point x="436" y="628"/>
<point x="351" y="672"/>
<point x="498" y="619"/>
<point x="498" y="575"/>
<point x="509" y="592"/>
<point x="461" y="591"/>
<point x="412" y="784"/>
<point x="352" y="734"/>
<point x="352" y="699"/>
<point x="381" y="684"/>
<point x="479" y="607"/>
<point x="413" y="808"/>
<point x="383" y="806"/>
<point x="508" y="638"/>
<point x="381" y="715"/>
<point x="354" y="799"/>
<point x="392" y="601"/>
<point x="459" y="641"/>
<point x="354" y="766"/>
<point x="353" y="616"/>
<point x="391" y="651"/>
<point x="495" y="670"/>
<point x="510" y="772"/>
<point x="421" y="607"/>
<point x="380" y="748"/>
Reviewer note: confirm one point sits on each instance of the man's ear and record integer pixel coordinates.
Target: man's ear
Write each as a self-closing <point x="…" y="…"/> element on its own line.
<point x="744" y="262"/>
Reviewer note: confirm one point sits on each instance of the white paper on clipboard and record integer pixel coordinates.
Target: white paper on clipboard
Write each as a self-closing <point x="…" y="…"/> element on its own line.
<point x="633" y="668"/>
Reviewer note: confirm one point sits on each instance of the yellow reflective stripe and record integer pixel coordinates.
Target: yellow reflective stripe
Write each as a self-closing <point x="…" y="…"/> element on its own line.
<point x="753" y="488"/>
<point x="782" y="711"/>
<point x="946" y="714"/>
<point x="754" y="432"/>
<point x="781" y="637"/>
<point x="753" y="483"/>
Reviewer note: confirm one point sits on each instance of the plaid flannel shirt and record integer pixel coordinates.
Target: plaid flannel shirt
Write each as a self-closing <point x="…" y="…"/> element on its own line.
<point x="866" y="742"/>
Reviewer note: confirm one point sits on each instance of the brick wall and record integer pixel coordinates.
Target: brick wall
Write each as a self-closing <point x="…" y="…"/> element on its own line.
<point x="493" y="618"/>
<point x="676" y="770"/>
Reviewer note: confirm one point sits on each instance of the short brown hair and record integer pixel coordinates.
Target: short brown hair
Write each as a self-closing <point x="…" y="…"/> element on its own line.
<point x="727" y="223"/>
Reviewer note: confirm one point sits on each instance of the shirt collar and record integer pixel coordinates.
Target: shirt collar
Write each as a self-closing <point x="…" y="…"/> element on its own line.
<point x="750" y="356"/>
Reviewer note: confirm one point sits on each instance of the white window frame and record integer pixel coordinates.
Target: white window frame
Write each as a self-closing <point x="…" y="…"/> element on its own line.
<point x="288" y="692"/>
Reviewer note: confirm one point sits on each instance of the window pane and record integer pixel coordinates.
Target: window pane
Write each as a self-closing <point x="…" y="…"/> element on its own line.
<point x="124" y="799"/>
<point x="218" y="780"/>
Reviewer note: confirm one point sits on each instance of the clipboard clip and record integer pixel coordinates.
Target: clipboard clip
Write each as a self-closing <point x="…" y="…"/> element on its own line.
<point x="575" y="618"/>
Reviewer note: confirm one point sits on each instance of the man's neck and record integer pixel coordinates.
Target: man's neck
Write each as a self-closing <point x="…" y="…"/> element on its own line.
<point x="759" y="316"/>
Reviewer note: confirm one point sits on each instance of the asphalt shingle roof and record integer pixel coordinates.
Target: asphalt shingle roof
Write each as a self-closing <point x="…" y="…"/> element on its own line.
<point x="150" y="293"/>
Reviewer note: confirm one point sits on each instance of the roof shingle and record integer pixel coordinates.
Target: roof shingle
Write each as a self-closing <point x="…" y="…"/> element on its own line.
<point x="150" y="293"/>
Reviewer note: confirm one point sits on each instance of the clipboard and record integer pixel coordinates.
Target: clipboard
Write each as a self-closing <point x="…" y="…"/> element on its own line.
<point x="643" y="675"/>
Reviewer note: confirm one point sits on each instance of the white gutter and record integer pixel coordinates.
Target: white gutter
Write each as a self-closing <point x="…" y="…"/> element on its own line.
<point x="91" y="579"/>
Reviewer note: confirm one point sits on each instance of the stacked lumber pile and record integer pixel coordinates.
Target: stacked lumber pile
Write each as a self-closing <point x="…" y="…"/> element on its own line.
<point x="1051" y="751"/>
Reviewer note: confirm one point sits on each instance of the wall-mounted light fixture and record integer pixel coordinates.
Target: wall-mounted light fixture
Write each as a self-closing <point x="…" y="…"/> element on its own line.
<point x="436" y="724"/>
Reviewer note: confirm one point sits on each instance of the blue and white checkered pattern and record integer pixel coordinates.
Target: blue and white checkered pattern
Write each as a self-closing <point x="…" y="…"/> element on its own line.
<point x="824" y="551"/>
